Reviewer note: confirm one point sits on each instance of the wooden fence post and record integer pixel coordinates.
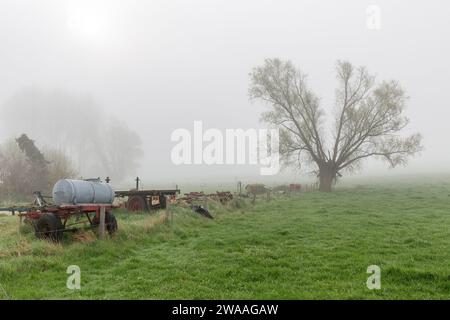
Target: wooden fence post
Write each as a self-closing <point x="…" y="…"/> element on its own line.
<point x="169" y="211"/>
<point x="101" y="227"/>
<point x="205" y="202"/>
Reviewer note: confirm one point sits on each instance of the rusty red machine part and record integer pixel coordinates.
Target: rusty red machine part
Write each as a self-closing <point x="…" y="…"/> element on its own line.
<point x="220" y="196"/>
<point x="51" y="221"/>
<point x="147" y="200"/>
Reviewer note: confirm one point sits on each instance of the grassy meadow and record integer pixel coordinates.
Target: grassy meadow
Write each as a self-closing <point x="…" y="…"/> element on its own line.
<point x="306" y="246"/>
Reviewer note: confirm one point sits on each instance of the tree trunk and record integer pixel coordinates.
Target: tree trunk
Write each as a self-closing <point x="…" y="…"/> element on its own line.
<point x="326" y="178"/>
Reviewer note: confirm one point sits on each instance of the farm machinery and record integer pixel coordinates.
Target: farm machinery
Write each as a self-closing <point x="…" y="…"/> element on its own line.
<point x="193" y="199"/>
<point x="88" y="201"/>
<point x="147" y="200"/>
<point x="220" y="196"/>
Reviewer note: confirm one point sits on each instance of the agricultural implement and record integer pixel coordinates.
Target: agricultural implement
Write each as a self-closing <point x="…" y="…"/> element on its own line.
<point x="220" y="196"/>
<point x="50" y="221"/>
<point x="194" y="198"/>
<point x="146" y="200"/>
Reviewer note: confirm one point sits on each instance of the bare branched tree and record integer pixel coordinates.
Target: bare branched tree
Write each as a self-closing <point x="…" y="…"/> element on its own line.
<point x="368" y="119"/>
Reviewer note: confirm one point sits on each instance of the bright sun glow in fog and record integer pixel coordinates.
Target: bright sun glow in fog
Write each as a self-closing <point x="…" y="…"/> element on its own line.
<point x="91" y="25"/>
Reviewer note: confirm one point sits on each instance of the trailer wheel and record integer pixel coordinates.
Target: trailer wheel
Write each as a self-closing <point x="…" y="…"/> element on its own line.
<point x="49" y="227"/>
<point x="137" y="203"/>
<point x="111" y="223"/>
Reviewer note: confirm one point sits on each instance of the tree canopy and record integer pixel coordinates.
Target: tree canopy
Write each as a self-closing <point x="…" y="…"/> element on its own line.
<point x="368" y="119"/>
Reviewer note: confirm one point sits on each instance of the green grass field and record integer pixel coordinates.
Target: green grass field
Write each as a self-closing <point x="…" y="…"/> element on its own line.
<point x="309" y="246"/>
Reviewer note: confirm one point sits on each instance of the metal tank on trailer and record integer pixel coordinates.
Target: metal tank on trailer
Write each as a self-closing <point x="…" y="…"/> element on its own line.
<point x="70" y="192"/>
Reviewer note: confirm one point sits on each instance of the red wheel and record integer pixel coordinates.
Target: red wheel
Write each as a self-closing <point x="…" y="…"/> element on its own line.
<point x="137" y="203"/>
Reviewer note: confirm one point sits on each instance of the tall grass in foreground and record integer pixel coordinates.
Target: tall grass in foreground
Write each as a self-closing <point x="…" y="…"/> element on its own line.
<point x="309" y="246"/>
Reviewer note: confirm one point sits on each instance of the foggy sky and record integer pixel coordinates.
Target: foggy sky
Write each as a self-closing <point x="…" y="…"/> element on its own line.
<point x="160" y="65"/>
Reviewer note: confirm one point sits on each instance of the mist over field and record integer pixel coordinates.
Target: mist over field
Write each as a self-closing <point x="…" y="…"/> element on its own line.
<point x="220" y="149"/>
<point x="113" y="79"/>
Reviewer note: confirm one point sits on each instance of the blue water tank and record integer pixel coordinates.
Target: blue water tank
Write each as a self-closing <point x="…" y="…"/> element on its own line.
<point x="67" y="191"/>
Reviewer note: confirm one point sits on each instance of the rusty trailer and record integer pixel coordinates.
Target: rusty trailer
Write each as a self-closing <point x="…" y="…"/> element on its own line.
<point x="147" y="200"/>
<point x="50" y="221"/>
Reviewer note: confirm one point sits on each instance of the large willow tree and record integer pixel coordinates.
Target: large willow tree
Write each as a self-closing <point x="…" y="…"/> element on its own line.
<point x="368" y="119"/>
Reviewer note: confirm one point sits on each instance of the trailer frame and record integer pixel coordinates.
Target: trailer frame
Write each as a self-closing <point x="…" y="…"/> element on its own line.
<point x="147" y="200"/>
<point x="50" y="221"/>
